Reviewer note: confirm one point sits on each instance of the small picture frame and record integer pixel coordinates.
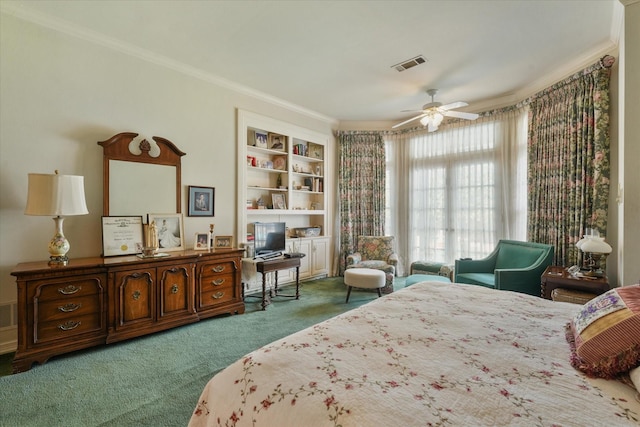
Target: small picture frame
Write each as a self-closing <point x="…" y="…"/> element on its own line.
<point x="279" y="201"/>
<point x="201" y="242"/>
<point x="280" y="162"/>
<point x="170" y="231"/>
<point x="223" y="242"/>
<point x="201" y="201"/>
<point x="260" y="139"/>
<point x="276" y="141"/>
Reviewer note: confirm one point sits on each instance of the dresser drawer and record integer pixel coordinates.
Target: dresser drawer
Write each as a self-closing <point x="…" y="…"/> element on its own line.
<point x="65" y="308"/>
<point x="65" y="288"/>
<point x="213" y="269"/>
<point x="67" y="327"/>
<point x="213" y="295"/>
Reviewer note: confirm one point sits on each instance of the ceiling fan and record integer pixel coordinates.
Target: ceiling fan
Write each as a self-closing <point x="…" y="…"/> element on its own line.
<point x="432" y="113"/>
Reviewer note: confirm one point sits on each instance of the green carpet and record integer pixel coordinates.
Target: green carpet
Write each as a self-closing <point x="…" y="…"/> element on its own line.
<point x="156" y="380"/>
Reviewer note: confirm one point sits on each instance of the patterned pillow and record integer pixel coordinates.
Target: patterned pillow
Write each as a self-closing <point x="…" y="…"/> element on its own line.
<point x="604" y="336"/>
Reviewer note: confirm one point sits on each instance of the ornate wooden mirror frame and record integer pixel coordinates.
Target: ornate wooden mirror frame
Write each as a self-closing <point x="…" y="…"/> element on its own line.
<point x="117" y="148"/>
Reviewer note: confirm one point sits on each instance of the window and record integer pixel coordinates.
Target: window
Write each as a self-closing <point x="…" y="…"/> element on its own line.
<point x="448" y="191"/>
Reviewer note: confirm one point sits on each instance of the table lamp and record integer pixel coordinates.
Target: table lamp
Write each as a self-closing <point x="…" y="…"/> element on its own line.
<point x="58" y="196"/>
<point x="596" y="248"/>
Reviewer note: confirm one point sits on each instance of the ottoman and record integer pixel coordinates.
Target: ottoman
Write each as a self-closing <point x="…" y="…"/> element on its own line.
<point x="415" y="278"/>
<point x="435" y="268"/>
<point x="365" y="278"/>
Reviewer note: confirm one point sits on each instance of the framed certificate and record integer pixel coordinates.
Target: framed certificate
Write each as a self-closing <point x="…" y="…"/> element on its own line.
<point x="121" y="235"/>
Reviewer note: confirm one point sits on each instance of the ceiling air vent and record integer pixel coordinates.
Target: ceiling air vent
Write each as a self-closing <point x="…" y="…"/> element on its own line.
<point x="405" y="65"/>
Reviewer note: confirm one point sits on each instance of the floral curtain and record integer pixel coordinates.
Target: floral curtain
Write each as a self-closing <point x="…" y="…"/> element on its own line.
<point x="568" y="161"/>
<point x="361" y="189"/>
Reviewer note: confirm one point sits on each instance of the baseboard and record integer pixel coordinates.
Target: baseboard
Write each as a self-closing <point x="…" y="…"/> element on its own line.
<point x="8" y="340"/>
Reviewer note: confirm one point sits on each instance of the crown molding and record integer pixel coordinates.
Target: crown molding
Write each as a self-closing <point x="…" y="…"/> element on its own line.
<point x="94" y="37"/>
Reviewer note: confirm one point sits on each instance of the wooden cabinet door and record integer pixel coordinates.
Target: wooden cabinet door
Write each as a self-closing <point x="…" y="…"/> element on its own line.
<point x="174" y="282"/>
<point x="135" y="296"/>
<point x="319" y="257"/>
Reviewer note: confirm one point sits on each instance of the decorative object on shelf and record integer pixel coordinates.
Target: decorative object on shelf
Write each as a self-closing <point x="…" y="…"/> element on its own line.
<point x="276" y="141"/>
<point x="201" y="242"/>
<point x="260" y="139"/>
<point x="267" y="164"/>
<point x="279" y="181"/>
<point x="122" y="235"/>
<point x="170" y="231"/>
<point x="278" y="201"/>
<point x="307" y="231"/>
<point x="596" y="249"/>
<point x="201" y="201"/>
<point x="223" y="242"/>
<point x="315" y="151"/>
<point x="211" y="235"/>
<point x="280" y="162"/>
<point x="56" y="195"/>
<point x="150" y="246"/>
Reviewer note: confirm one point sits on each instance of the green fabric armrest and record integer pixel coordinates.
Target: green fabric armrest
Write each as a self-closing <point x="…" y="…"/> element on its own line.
<point x="484" y="265"/>
<point x="354" y="258"/>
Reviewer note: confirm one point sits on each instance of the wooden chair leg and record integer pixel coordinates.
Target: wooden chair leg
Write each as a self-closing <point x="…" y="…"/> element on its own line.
<point x="348" y="293"/>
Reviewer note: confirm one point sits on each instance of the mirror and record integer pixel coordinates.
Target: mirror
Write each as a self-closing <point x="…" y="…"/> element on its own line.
<point x="139" y="177"/>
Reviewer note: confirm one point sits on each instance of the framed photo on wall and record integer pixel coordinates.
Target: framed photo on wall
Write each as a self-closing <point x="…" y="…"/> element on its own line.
<point x="170" y="231"/>
<point x="223" y="242"/>
<point x="201" y="201"/>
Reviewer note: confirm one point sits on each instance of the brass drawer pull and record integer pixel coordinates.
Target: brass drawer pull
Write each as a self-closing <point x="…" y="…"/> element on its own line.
<point x="217" y="282"/>
<point x="68" y="308"/>
<point x="136" y="295"/>
<point x="174" y="289"/>
<point x="69" y="326"/>
<point x="218" y="269"/>
<point x="69" y="290"/>
<point x="217" y="295"/>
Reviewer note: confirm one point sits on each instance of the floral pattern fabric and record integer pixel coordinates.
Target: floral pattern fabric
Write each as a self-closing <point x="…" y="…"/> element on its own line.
<point x="568" y="157"/>
<point x="432" y="354"/>
<point x="361" y="188"/>
<point x="376" y="252"/>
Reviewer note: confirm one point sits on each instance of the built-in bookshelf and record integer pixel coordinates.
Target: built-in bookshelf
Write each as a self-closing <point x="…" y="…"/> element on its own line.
<point x="283" y="177"/>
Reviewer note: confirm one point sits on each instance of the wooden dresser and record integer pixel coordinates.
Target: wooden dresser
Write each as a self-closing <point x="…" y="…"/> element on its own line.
<point x="94" y="301"/>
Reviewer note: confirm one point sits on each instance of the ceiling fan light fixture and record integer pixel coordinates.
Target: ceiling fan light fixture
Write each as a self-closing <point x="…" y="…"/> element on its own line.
<point x="432" y="121"/>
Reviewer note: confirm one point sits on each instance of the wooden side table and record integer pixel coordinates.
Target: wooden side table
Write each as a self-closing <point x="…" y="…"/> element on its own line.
<point x="558" y="277"/>
<point x="274" y="265"/>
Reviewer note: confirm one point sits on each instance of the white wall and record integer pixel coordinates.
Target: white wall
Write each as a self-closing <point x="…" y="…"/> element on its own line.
<point x="628" y="250"/>
<point x="62" y="94"/>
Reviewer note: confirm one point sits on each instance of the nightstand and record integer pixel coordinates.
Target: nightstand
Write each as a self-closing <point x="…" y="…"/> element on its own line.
<point x="558" y="277"/>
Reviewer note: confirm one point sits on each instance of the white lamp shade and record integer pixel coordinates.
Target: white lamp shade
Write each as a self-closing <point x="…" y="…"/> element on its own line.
<point x="595" y="245"/>
<point x="56" y="195"/>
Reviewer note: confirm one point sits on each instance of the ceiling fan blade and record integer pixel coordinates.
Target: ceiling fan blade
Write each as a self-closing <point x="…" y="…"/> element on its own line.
<point x="454" y="105"/>
<point x="411" y="111"/>
<point x="460" y="115"/>
<point x="407" y="121"/>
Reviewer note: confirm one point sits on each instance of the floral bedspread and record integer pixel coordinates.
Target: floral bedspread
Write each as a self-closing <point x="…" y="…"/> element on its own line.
<point x="433" y="354"/>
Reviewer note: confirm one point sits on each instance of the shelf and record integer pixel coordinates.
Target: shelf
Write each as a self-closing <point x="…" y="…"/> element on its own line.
<point x="254" y="149"/>
<point x="269" y="170"/>
<point x="285" y="212"/>
<point x="284" y="190"/>
<point x="306" y="159"/>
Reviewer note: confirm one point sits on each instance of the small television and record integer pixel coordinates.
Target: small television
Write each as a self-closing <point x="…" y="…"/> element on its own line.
<point x="269" y="238"/>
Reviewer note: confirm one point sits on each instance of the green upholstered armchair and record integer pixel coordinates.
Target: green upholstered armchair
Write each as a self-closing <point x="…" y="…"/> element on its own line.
<point x="512" y="266"/>
<point x="376" y="252"/>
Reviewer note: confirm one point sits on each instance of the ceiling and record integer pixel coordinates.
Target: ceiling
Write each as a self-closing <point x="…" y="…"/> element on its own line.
<point x="334" y="59"/>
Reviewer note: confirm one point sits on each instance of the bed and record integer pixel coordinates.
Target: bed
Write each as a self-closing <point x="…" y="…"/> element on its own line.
<point x="432" y="354"/>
